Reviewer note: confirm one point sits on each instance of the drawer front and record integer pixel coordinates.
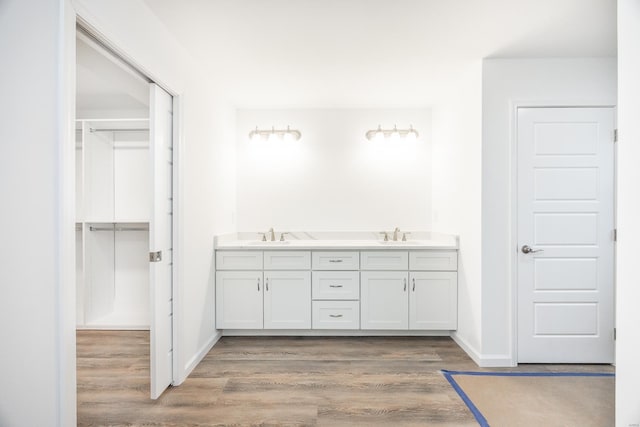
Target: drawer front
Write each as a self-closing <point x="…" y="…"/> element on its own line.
<point x="384" y="260"/>
<point x="336" y="315"/>
<point x="287" y="260"/>
<point x="238" y="260"/>
<point x="433" y="260"/>
<point x="336" y="285"/>
<point x="336" y="261"/>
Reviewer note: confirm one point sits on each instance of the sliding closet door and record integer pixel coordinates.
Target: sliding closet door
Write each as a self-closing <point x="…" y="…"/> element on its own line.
<point x="160" y="241"/>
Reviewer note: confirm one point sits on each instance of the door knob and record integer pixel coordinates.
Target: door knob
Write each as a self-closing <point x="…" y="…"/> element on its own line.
<point x="526" y="249"/>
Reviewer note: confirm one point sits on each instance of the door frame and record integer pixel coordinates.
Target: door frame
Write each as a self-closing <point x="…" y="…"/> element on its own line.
<point x="68" y="216"/>
<point x="514" y="105"/>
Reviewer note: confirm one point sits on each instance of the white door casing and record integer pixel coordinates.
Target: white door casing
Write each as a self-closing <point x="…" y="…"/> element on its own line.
<point x="566" y="216"/>
<point x="160" y="240"/>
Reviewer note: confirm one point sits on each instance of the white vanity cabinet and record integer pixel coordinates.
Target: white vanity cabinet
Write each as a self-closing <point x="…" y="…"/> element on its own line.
<point x="263" y="290"/>
<point x="394" y="289"/>
<point x="424" y="299"/>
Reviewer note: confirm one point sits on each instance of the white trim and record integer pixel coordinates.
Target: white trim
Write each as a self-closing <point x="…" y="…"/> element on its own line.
<point x="177" y="238"/>
<point x="111" y="328"/>
<point x="197" y="358"/>
<point x="65" y="299"/>
<point x="484" y="360"/>
<point x="514" y="105"/>
<point x="329" y="333"/>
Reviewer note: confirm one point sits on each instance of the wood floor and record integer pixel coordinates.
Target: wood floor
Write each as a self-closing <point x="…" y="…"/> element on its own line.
<point x="277" y="381"/>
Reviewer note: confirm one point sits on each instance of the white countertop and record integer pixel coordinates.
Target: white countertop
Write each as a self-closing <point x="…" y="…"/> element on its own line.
<point x="335" y="241"/>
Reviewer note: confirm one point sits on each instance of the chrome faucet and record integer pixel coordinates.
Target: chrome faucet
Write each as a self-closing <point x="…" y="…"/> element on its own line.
<point x="273" y="234"/>
<point x="395" y="234"/>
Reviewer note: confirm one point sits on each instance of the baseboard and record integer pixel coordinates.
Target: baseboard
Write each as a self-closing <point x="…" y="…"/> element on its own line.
<point x="197" y="358"/>
<point x="484" y="360"/>
<point x="330" y="333"/>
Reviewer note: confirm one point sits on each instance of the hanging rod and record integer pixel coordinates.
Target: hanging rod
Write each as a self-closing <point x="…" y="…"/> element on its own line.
<point x="92" y="130"/>
<point x="92" y="228"/>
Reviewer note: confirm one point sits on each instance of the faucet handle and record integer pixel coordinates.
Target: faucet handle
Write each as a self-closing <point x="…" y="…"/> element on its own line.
<point x="404" y="235"/>
<point x="282" y="236"/>
<point x="264" y="237"/>
<point x="386" y="235"/>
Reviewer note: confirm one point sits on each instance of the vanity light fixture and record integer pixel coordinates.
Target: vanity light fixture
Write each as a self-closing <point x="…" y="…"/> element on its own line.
<point x="379" y="134"/>
<point x="287" y="134"/>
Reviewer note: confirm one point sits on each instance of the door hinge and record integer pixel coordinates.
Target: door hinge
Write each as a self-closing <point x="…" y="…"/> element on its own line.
<point x="615" y="234"/>
<point x="615" y="135"/>
<point x="155" y="256"/>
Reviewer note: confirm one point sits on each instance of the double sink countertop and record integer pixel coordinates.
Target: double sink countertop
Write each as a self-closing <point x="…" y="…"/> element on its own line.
<point x="335" y="240"/>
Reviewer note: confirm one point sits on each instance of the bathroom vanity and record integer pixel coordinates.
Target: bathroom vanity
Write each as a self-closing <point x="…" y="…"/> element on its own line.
<point x="336" y="283"/>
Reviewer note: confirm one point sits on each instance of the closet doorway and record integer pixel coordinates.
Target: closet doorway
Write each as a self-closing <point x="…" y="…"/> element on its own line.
<point x="124" y="203"/>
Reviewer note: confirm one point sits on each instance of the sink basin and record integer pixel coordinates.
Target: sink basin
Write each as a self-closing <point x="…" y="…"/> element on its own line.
<point x="267" y="243"/>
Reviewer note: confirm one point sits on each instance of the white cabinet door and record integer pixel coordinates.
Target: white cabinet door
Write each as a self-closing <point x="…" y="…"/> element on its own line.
<point x="384" y="300"/>
<point x="433" y="300"/>
<point x="239" y="299"/>
<point x="287" y="300"/>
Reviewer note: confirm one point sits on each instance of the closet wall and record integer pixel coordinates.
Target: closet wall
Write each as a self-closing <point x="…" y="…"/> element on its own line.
<point x="113" y="223"/>
<point x="113" y="194"/>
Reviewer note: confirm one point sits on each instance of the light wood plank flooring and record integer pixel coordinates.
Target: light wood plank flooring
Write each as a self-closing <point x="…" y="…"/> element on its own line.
<point x="278" y="381"/>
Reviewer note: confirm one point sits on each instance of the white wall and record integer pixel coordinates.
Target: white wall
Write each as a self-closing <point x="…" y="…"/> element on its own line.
<point x="581" y="81"/>
<point x="37" y="357"/>
<point x="206" y="158"/>
<point x="334" y="178"/>
<point x="456" y="194"/>
<point x="628" y="281"/>
<point x="36" y="174"/>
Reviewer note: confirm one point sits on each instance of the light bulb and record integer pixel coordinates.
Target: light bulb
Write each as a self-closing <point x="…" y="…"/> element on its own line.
<point x="395" y="135"/>
<point x="273" y="137"/>
<point x="412" y="136"/>
<point x="379" y="135"/>
<point x="288" y="137"/>
<point x="255" y="135"/>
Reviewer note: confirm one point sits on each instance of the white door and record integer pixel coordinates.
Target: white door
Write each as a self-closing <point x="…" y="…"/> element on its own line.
<point x="433" y="300"/>
<point x="384" y="300"/>
<point x="565" y="235"/>
<point x="287" y="300"/>
<point x="239" y="299"/>
<point x="160" y="240"/>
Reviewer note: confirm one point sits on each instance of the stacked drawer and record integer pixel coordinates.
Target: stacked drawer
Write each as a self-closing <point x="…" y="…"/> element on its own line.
<point x="335" y="290"/>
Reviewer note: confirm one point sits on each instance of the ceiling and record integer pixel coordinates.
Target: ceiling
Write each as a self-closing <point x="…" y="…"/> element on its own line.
<point x="374" y="53"/>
